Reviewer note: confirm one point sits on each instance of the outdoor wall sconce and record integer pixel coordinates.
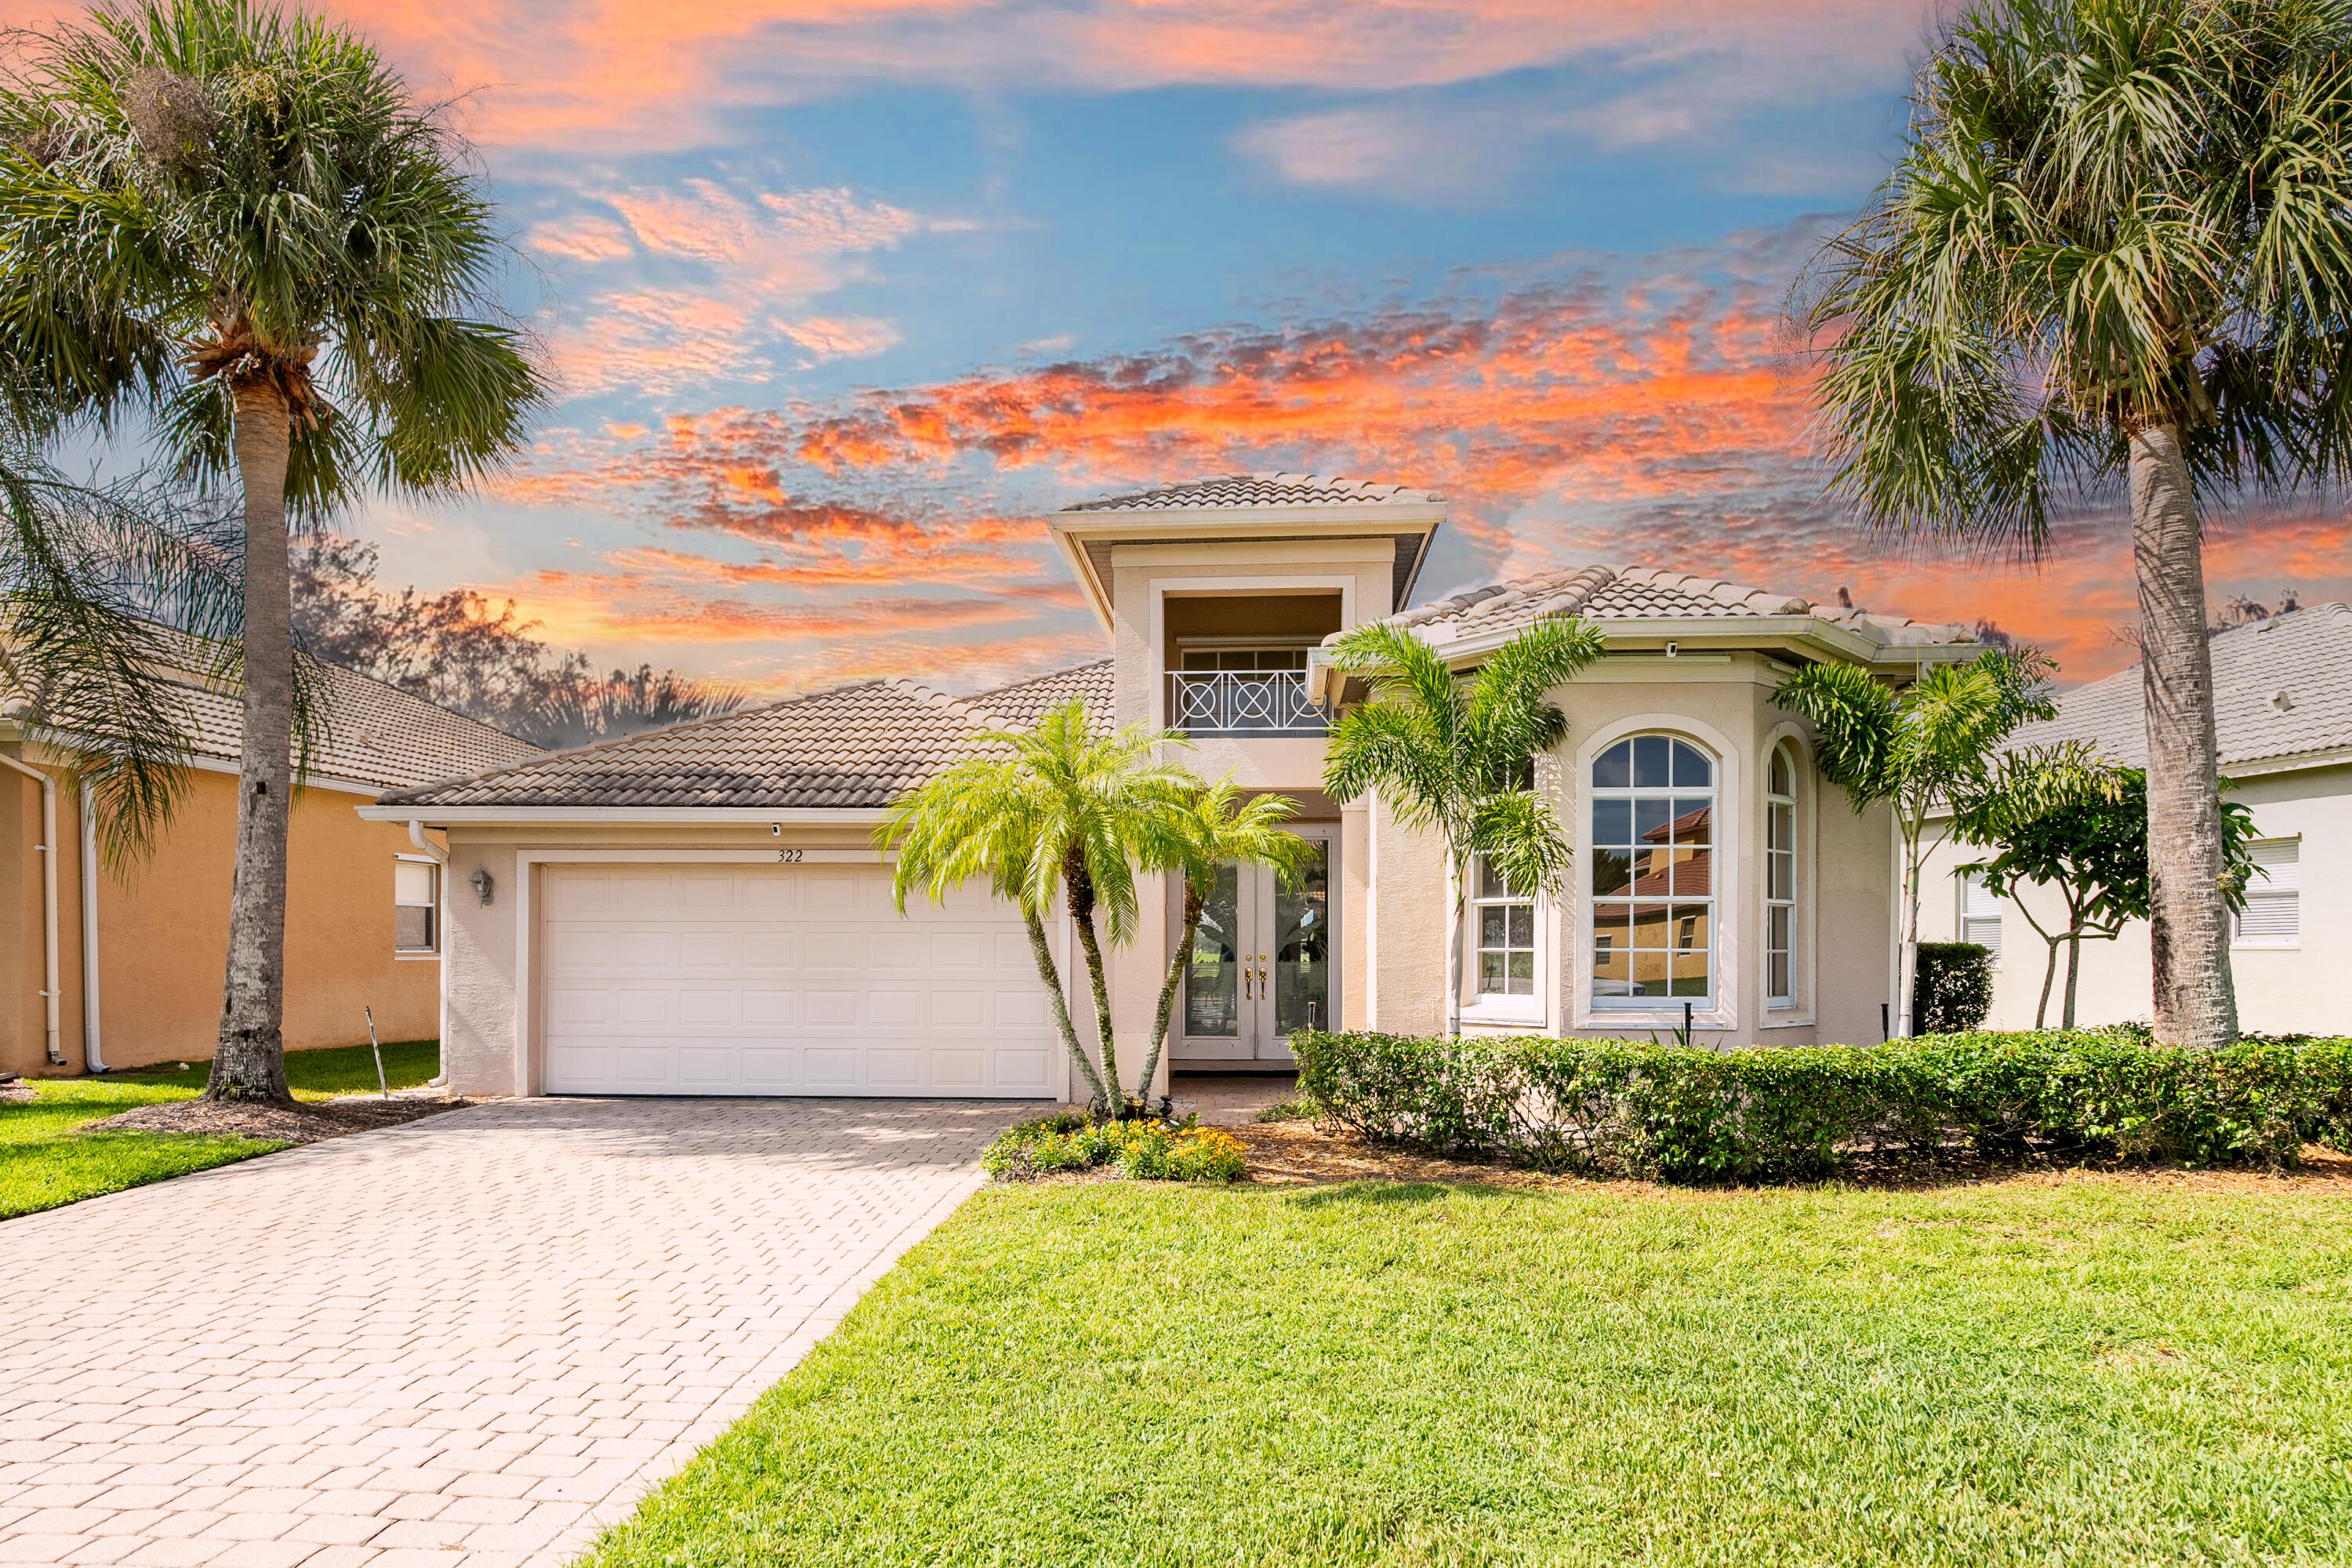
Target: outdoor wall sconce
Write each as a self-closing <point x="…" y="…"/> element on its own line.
<point x="484" y="884"/>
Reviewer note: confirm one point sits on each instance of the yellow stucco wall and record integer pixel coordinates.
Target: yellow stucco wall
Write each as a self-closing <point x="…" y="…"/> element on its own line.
<point x="163" y="931"/>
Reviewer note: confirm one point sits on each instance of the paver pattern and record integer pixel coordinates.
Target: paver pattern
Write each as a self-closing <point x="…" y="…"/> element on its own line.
<point x="473" y="1340"/>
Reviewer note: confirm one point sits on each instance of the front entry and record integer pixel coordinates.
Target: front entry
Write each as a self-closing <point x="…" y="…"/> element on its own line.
<point x="1261" y="966"/>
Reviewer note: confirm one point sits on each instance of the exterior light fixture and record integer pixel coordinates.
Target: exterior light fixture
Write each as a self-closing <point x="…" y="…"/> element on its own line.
<point x="484" y="883"/>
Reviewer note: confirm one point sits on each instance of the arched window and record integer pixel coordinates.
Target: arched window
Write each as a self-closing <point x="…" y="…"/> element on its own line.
<point x="1781" y="877"/>
<point x="1653" y="839"/>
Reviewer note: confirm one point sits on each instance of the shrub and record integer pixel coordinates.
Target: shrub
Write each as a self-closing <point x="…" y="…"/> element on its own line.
<point x="1146" y="1148"/>
<point x="1690" y="1114"/>
<point x="1954" y="987"/>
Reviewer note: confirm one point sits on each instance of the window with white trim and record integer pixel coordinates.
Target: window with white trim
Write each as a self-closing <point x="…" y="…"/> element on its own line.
<point x="2273" y="913"/>
<point x="415" y="906"/>
<point x="1503" y="923"/>
<point x="1781" y="877"/>
<point x="1979" y="913"/>
<point x="1652" y="874"/>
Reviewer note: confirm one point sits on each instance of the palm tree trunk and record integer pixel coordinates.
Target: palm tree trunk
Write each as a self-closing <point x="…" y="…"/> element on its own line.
<point x="1051" y="974"/>
<point x="1457" y="885"/>
<point x="1907" y="980"/>
<point x="1160" y="1023"/>
<point x="1081" y="885"/>
<point x="2189" y="916"/>
<point x="250" y="1061"/>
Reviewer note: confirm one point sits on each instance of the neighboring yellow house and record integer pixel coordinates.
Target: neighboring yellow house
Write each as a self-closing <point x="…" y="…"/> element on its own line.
<point x="364" y="899"/>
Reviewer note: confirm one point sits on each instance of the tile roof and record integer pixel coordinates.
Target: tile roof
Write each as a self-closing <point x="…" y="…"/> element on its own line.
<point x="1253" y="490"/>
<point x="1641" y="593"/>
<point x="2304" y="655"/>
<point x="1026" y="701"/>
<point x="848" y="748"/>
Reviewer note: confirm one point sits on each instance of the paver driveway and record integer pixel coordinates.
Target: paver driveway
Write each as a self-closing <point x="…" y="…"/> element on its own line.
<point x="475" y="1340"/>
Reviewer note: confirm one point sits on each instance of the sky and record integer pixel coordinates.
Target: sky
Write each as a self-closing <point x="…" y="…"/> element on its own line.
<point x="842" y="297"/>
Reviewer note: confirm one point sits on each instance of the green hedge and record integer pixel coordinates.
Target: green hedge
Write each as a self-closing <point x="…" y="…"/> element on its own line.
<point x="1953" y="991"/>
<point x="1690" y="1114"/>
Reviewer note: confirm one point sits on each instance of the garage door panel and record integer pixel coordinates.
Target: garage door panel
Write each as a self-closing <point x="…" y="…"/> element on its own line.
<point x="785" y="980"/>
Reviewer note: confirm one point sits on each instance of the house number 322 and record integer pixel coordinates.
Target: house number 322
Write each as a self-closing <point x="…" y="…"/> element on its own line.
<point x="790" y="857"/>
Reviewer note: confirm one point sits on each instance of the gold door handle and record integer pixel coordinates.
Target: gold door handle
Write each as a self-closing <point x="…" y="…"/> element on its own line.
<point x="1261" y="975"/>
<point x="1245" y="983"/>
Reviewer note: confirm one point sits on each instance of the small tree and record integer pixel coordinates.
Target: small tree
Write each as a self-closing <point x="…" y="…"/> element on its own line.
<point x="1455" y="755"/>
<point x="1220" y="830"/>
<point x="1931" y="742"/>
<point x="2079" y="825"/>
<point x="1057" y="813"/>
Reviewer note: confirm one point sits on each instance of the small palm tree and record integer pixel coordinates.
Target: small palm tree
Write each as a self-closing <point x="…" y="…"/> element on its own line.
<point x="1219" y="828"/>
<point x="1918" y="750"/>
<point x="1059" y="813"/>
<point x="237" y="220"/>
<point x="1456" y="755"/>
<point x="2115" y="247"/>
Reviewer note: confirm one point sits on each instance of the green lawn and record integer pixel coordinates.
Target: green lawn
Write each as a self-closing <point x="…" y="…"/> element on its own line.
<point x="44" y="1161"/>
<point x="2094" y="1372"/>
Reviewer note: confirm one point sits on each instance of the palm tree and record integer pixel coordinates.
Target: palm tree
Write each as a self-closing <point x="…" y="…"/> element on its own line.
<point x="1219" y="828"/>
<point x="2119" y="243"/>
<point x="1059" y="812"/>
<point x="236" y="221"/>
<point x="1456" y="755"/>
<point x="1918" y="750"/>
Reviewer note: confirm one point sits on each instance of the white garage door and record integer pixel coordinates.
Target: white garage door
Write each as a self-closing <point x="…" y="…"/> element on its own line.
<point x="785" y="980"/>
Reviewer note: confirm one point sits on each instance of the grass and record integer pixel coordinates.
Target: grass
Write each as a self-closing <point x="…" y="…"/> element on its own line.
<point x="45" y="1161"/>
<point x="2091" y="1371"/>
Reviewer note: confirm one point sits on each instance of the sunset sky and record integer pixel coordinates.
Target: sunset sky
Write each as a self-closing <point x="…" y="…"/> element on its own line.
<point x="844" y="295"/>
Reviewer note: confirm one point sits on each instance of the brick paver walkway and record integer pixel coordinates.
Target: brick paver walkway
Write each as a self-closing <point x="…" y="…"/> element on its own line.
<point x="473" y="1340"/>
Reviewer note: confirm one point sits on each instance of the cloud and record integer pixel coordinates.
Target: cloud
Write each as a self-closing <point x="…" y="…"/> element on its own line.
<point x="716" y="275"/>
<point x="636" y="74"/>
<point x="1630" y="409"/>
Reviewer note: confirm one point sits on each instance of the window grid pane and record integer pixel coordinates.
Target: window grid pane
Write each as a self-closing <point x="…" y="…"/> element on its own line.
<point x="1653" y="893"/>
<point x="1505" y="927"/>
<point x="2273" y="913"/>
<point x="1781" y="880"/>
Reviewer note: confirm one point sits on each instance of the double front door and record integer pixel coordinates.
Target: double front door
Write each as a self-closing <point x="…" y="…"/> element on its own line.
<point x="1260" y="964"/>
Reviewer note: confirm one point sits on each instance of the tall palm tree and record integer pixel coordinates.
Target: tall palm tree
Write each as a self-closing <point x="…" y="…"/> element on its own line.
<point x="237" y="222"/>
<point x="2117" y="244"/>
<point x="1456" y="755"/>
<point x="1219" y="828"/>
<point x="1934" y="742"/>
<point x="1057" y="814"/>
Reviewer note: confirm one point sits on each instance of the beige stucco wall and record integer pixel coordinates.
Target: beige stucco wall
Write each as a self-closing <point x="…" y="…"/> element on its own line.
<point x="2279" y="990"/>
<point x="163" y="930"/>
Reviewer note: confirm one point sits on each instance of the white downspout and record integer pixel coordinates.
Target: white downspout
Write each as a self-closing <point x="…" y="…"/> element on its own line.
<point x="441" y="930"/>
<point x="49" y="848"/>
<point x="90" y="1032"/>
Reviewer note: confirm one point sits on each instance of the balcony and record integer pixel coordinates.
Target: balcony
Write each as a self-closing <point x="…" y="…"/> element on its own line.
<point x="1243" y="702"/>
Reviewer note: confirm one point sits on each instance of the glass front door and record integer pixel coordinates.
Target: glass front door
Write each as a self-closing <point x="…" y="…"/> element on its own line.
<point x="1261" y="964"/>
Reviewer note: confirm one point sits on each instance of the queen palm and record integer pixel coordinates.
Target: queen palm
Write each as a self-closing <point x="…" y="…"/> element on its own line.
<point x="2117" y="244"/>
<point x="1217" y="829"/>
<point x="236" y="222"/>
<point x="1455" y="755"/>
<point x="1060" y="813"/>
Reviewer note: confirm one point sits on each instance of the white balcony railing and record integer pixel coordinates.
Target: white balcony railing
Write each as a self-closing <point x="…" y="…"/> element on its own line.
<point x="1243" y="702"/>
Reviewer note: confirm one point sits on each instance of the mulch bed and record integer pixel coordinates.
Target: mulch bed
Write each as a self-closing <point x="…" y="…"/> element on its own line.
<point x="1296" y="1153"/>
<point x="305" y="1121"/>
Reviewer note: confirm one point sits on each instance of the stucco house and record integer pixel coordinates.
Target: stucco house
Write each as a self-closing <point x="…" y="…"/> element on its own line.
<point x="118" y="970"/>
<point x="701" y="910"/>
<point x="2283" y="707"/>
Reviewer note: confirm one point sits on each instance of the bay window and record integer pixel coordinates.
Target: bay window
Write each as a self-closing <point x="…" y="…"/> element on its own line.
<point x="1653" y="875"/>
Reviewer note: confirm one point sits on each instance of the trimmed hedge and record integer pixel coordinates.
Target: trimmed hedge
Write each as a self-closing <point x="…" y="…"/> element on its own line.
<point x="1952" y="986"/>
<point x="1777" y="1114"/>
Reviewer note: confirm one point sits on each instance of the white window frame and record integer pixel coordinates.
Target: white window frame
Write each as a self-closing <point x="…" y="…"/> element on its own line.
<point x="1964" y="923"/>
<point x="1513" y="1005"/>
<point x="435" y="870"/>
<point x="1713" y="1003"/>
<point x="2275" y="892"/>
<point x="1777" y="858"/>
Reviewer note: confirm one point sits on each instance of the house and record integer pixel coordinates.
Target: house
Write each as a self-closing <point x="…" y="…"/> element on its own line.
<point x="124" y="968"/>
<point x="701" y="910"/>
<point x="2282" y="707"/>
